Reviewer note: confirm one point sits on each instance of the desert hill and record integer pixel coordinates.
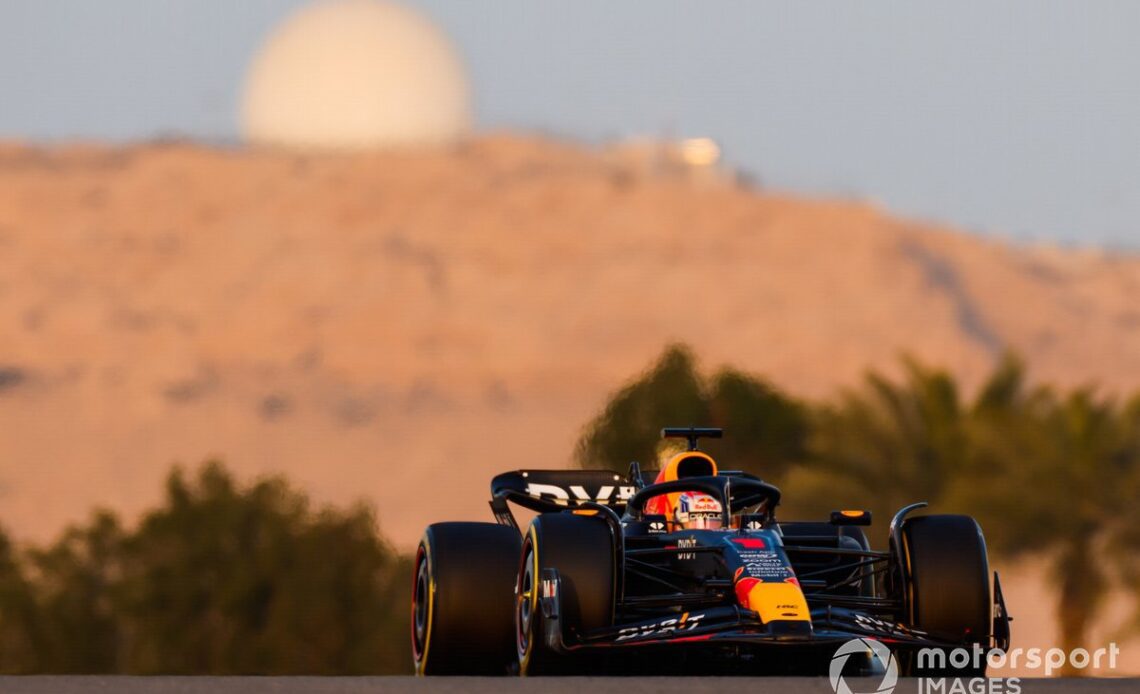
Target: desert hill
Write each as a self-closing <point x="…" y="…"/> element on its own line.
<point x="396" y="326"/>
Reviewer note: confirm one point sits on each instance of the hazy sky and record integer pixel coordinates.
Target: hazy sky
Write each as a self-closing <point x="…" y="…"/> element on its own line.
<point x="1017" y="118"/>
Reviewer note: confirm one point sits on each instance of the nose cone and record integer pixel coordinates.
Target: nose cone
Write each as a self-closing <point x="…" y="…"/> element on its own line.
<point x="775" y="601"/>
<point x="765" y="582"/>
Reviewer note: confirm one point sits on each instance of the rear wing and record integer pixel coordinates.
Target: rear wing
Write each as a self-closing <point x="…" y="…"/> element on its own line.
<point x="555" y="490"/>
<point x="552" y="490"/>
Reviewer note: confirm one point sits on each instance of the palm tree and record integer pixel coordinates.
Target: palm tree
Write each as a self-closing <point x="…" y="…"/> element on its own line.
<point x="1042" y="473"/>
<point x="882" y="446"/>
<point x="1046" y="474"/>
<point x="1124" y="541"/>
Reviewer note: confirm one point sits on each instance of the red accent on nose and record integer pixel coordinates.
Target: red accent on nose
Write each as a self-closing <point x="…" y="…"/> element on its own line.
<point x="793" y="580"/>
<point x="750" y="542"/>
<point x="743" y="588"/>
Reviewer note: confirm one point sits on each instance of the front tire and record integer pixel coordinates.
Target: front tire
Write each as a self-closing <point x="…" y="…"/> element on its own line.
<point x="463" y="599"/>
<point x="947" y="593"/>
<point x="581" y="549"/>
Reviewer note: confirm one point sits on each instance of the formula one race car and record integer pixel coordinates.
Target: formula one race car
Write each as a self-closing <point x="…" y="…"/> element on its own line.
<point x="692" y="573"/>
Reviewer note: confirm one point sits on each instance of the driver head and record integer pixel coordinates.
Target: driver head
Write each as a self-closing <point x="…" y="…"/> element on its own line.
<point x="697" y="511"/>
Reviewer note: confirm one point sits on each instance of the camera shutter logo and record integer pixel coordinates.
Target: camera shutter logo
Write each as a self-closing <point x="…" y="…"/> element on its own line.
<point x="859" y="647"/>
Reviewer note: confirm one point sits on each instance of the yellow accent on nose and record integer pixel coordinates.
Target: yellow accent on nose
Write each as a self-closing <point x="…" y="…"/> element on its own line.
<point x="779" y="602"/>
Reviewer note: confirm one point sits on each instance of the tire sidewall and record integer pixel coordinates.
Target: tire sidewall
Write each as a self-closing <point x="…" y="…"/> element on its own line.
<point x="421" y="643"/>
<point x="462" y="596"/>
<point x="943" y="578"/>
<point x="559" y="541"/>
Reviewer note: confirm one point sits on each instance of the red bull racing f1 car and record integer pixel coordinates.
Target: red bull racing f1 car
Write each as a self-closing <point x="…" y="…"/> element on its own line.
<point x="691" y="573"/>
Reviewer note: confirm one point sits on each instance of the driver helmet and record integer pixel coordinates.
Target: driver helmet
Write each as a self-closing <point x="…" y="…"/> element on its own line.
<point x="697" y="511"/>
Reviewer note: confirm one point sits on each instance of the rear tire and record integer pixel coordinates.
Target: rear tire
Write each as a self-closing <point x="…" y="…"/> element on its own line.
<point x="463" y="599"/>
<point x="581" y="549"/>
<point x="948" y="591"/>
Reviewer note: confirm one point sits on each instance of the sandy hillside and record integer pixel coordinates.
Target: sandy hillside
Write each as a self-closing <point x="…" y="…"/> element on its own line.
<point x="398" y="326"/>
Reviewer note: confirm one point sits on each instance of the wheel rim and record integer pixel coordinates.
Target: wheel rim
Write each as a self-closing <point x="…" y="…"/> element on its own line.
<point x="421" y="599"/>
<point x="524" y="614"/>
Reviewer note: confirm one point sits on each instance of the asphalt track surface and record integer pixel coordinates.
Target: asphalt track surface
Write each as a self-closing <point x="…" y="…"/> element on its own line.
<point x="475" y="685"/>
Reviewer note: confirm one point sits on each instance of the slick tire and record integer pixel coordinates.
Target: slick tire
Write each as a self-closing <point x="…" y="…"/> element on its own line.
<point x="581" y="549"/>
<point x="947" y="593"/>
<point x="463" y="599"/>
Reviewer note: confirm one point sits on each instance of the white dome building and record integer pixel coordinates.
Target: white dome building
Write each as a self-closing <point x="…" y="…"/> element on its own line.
<point x="349" y="74"/>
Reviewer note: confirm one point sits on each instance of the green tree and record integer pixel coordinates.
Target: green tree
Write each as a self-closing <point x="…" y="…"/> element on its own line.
<point x="765" y="430"/>
<point x="670" y="393"/>
<point x="221" y="579"/>
<point x="76" y="621"/>
<point x="19" y="627"/>
<point x="226" y="580"/>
